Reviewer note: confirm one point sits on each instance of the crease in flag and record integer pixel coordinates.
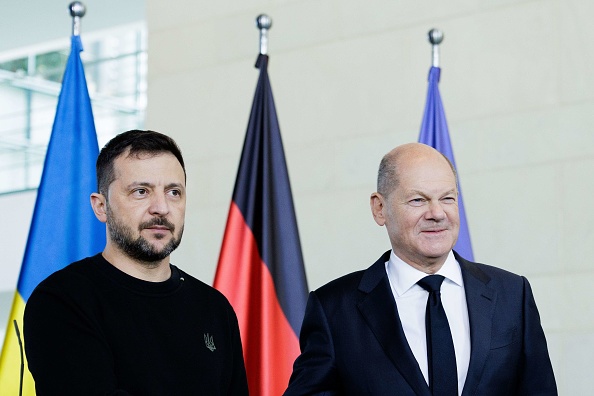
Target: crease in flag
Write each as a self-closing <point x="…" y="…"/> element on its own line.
<point x="260" y="268"/>
<point x="63" y="228"/>
<point x="435" y="133"/>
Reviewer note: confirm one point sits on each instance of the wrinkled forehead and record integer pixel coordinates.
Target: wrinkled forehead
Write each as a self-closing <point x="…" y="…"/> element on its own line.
<point x="420" y="171"/>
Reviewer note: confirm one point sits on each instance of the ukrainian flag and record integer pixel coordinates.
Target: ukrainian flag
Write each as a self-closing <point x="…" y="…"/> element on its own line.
<point x="64" y="228"/>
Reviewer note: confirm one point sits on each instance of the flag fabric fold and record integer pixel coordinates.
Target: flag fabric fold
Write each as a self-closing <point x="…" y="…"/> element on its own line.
<point x="435" y="133"/>
<point x="63" y="228"/>
<point x="260" y="268"/>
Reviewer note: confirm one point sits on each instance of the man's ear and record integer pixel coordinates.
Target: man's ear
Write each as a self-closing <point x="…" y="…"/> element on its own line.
<point x="99" y="205"/>
<point x="377" y="203"/>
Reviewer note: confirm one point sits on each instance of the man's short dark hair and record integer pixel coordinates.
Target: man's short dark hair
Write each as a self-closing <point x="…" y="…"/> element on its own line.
<point x="137" y="142"/>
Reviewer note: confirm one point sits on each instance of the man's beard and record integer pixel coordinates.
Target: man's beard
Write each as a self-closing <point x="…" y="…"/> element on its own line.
<point x="140" y="249"/>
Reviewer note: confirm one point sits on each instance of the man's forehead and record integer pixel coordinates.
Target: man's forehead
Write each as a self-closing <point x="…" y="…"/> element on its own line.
<point x="143" y="156"/>
<point x="426" y="176"/>
<point x="430" y="167"/>
<point x="147" y="163"/>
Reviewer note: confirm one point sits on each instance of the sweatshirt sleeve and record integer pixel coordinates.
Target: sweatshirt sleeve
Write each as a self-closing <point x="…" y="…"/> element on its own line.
<point x="66" y="352"/>
<point x="238" y="385"/>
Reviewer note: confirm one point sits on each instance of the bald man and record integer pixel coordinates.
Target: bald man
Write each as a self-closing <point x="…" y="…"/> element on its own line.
<point x="370" y="332"/>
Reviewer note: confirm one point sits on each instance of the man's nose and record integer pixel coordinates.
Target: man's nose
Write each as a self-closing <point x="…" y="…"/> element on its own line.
<point x="159" y="205"/>
<point x="435" y="211"/>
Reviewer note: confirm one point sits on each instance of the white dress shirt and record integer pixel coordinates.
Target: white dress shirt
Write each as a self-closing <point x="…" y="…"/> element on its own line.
<point x="411" y="300"/>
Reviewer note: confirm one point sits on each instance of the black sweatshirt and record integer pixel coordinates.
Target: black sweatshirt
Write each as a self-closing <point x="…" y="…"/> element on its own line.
<point x="91" y="329"/>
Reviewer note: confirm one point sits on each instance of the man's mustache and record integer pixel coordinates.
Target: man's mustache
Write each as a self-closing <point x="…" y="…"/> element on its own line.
<point x="157" y="221"/>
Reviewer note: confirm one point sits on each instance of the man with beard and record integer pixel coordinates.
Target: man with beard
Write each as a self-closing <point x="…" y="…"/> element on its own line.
<point x="126" y="321"/>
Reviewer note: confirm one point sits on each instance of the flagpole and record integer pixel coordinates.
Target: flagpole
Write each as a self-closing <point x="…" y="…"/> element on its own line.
<point x="59" y="213"/>
<point x="260" y="268"/>
<point x="435" y="133"/>
<point x="77" y="11"/>
<point x="263" y="22"/>
<point x="435" y="38"/>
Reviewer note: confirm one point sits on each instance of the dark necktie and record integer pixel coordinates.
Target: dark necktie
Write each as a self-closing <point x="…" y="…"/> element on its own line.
<point x="443" y="376"/>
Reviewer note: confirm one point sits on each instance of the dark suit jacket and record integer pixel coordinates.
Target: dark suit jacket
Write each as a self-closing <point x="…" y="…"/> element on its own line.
<point x="352" y="342"/>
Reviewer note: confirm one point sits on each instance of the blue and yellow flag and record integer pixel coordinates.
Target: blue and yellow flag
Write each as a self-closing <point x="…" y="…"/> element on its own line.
<point x="435" y="133"/>
<point x="64" y="228"/>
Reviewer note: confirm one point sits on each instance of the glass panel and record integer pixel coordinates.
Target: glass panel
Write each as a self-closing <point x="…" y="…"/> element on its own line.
<point x="116" y="71"/>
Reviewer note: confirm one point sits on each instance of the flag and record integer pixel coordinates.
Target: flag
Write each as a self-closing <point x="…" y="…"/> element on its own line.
<point x="260" y="267"/>
<point x="64" y="228"/>
<point x="434" y="132"/>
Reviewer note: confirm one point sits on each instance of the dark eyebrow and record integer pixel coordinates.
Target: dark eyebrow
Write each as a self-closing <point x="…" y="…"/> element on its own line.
<point x="172" y="185"/>
<point x="151" y="185"/>
<point x="142" y="184"/>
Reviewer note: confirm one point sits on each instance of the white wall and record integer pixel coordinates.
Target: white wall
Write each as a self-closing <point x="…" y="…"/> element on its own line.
<point x="349" y="79"/>
<point x="17" y="210"/>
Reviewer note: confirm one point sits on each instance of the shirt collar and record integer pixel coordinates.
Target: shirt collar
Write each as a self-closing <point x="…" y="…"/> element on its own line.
<point x="403" y="276"/>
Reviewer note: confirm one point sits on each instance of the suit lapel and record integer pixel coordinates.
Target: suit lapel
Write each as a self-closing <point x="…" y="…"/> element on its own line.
<point x="381" y="315"/>
<point x="480" y="300"/>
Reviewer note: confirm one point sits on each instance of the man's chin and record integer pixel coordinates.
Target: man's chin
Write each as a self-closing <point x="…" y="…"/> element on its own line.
<point x="164" y="246"/>
<point x="159" y="240"/>
<point x="436" y="254"/>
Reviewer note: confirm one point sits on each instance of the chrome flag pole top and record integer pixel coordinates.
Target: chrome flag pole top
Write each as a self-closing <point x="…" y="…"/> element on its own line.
<point x="77" y="11"/>
<point x="263" y="22"/>
<point x="435" y="38"/>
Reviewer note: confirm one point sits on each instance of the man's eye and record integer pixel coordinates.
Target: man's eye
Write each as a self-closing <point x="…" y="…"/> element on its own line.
<point x="175" y="193"/>
<point x="140" y="191"/>
<point x="417" y="202"/>
<point x="449" y="200"/>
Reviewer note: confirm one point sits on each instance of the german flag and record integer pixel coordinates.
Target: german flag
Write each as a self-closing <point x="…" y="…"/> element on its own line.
<point x="260" y="267"/>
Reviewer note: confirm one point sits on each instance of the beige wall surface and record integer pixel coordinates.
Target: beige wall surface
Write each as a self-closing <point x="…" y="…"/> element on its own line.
<point x="350" y="79"/>
<point x="29" y="23"/>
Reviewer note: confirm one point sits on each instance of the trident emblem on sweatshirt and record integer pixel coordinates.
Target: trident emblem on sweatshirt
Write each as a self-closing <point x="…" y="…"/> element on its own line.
<point x="209" y="342"/>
